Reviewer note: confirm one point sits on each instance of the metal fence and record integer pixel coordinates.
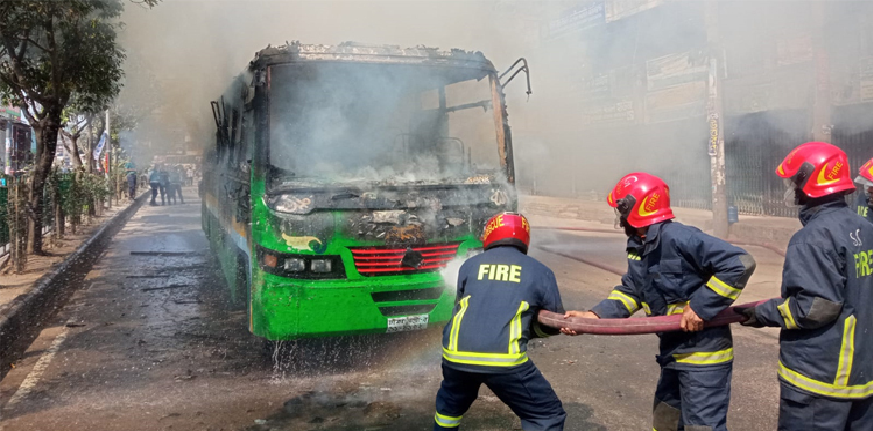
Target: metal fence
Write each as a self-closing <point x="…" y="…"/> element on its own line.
<point x="61" y="181"/>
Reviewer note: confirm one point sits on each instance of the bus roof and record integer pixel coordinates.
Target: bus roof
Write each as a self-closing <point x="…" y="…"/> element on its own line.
<point x="365" y="53"/>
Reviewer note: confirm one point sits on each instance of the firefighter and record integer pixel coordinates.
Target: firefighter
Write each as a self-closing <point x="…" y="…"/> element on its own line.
<point x="865" y="197"/>
<point x="826" y="309"/>
<point x="676" y="269"/>
<point x="499" y="294"/>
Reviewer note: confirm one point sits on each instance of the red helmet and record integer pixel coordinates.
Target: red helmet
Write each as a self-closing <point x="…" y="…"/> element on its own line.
<point x="507" y="229"/>
<point x="818" y="169"/>
<point x="865" y="177"/>
<point x="642" y="199"/>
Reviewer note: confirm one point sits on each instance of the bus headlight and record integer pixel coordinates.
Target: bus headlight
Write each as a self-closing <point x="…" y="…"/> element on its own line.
<point x="294" y="264"/>
<point x="300" y="266"/>
<point x="320" y="265"/>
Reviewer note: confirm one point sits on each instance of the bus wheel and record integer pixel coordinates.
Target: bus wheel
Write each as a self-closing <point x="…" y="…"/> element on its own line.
<point x="241" y="284"/>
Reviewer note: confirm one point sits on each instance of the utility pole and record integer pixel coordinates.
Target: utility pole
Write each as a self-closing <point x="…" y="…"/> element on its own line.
<point x="715" y="118"/>
<point x="7" y="168"/>
<point x="822" y="109"/>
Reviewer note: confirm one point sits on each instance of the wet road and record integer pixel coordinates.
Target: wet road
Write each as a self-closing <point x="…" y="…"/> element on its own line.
<point x="151" y="342"/>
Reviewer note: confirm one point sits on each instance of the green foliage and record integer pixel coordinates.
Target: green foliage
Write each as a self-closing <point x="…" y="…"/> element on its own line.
<point x="54" y="52"/>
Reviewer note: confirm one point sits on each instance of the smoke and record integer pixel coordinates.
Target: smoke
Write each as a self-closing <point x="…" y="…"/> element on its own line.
<point x="183" y="54"/>
<point x="618" y="86"/>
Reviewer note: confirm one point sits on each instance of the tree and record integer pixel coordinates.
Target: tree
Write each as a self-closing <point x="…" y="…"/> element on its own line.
<point x="78" y="123"/>
<point x="49" y="52"/>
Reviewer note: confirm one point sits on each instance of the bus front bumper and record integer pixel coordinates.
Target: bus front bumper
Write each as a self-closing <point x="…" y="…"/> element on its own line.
<point x="286" y="309"/>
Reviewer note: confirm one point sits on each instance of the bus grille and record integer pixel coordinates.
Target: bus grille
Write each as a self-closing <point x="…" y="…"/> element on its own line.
<point x="385" y="260"/>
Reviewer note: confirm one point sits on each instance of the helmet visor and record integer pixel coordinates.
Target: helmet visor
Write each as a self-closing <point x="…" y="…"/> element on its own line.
<point x="790" y="197"/>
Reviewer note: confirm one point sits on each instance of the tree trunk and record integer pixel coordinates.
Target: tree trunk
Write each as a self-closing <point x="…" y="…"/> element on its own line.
<point x="73" y="151"/>
<point x="46" y="144"/>
<point x="89" y="152"/>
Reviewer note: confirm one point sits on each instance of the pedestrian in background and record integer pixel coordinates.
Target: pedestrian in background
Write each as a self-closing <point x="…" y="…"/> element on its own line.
<point x="176" y="184"/>
<point x="165" y="184"/>
<point x="131" y="184"/>
<point x="155" y="184"/>
<point x="826" y="309"/>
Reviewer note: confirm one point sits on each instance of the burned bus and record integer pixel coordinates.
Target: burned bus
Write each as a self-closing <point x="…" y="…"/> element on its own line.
<point x="344" y="179"/>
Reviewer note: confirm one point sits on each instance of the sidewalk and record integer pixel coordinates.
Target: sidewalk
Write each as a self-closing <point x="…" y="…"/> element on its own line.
<point x="546" y="211"/>
<point x="29" y="298"/>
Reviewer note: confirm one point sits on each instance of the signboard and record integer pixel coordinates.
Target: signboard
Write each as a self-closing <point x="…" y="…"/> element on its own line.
<point x="576" y="19"/>
<point x="865" y="73"/>
<point x="794" y="50"/>
<point x="99" y="147"/>
<point x="676" y="103"/>
<point x="713" y="134"/>
<point x="676" y="69"/>
<point x="610" y="113"/>
<point x="619" y="9"/>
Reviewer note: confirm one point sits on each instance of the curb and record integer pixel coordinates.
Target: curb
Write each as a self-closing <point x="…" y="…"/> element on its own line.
<point x="27" y="312"/>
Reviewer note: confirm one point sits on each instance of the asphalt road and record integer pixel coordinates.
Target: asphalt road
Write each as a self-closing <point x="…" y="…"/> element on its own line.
<point x="151" y="342"/>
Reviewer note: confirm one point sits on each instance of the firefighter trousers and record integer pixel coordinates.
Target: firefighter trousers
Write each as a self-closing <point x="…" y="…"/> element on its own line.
<point x="524" y="389"/>
<point x="693" y="400"/>
<point x="802" y="411"/>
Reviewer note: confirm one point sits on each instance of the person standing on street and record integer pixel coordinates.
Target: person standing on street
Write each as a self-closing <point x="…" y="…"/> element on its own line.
<point x="500" y="293"/>
<point x="676" y="269"/>
<point x="865" y="196"/>
<point x="175" y="188"/>
<point x="131" y="184"/>
<point x="826" y="309"/>
<point x="180" y="173"/>
<point x="165" y="185"/>
<point x="155" y="184"/>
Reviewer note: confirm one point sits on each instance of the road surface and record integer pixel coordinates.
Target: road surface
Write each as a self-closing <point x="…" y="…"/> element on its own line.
<point x="151" y="342"/>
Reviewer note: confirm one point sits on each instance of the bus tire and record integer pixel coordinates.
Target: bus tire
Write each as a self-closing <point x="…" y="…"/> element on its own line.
<point x="241" y="283"/>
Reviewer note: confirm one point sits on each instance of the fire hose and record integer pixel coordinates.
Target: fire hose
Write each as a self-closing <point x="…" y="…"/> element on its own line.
<point x="644" y="325"/>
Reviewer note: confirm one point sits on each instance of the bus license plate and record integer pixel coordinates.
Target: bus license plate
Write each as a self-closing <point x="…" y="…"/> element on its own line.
<point x="407" y="323"/>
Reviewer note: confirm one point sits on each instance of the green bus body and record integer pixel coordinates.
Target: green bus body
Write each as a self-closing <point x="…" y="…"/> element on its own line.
<point x="316" y="251"/>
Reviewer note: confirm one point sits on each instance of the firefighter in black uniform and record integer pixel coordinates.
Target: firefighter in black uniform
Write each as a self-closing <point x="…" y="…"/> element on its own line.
<point x="826" y="309"/>
<point x="865" y="196"/>
<point x="499" y="295"/>
<point x="676" y="269"/>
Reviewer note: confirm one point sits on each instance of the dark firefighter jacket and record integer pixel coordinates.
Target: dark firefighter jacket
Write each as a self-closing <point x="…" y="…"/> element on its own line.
<point x="826" y="309"/>
<point x="673" y="266"/>
<point x="864" y="209"/>
<point x="499" y="295"/>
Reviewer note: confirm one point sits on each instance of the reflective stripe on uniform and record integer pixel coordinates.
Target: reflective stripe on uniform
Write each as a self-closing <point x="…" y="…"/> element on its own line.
<point x="633" y="256"/>
<point x="722" y="288"/>
<point x="705" y="358"/>
<point x="847" y="352"/>
<point x="489" y="359"/>
<point x="785" y="311"/>
<point x="677" y="308"/>
<point x="456" y="323"/>
<point x="828" y="389"/>
<point x="646" y="308"/>
<point x="629" y="303"/>
<point x="447" y="421"/>
<point x="515" y="328"/>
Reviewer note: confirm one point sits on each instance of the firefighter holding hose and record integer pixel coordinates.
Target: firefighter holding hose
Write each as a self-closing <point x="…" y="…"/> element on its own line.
<point x="826" y="309"/>
<point x="865" y="197"/>
<point x="677" y="269"/>
<point x="499" y="294"/>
